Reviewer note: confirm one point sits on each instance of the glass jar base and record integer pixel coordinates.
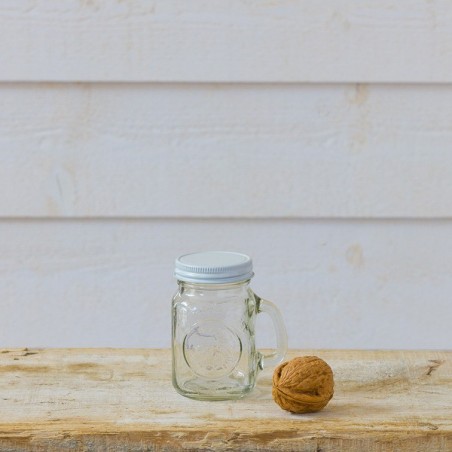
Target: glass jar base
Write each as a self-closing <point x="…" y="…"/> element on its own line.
<point x="205" y="390"/>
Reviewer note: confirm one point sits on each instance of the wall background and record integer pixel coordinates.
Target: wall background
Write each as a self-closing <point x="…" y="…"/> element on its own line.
<point x="314" y="136"/>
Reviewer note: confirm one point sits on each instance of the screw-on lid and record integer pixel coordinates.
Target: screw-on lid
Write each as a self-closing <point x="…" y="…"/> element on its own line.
<point x="214" y="267"/>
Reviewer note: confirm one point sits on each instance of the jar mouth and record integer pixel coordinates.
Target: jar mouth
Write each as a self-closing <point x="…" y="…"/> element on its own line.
<point x="213" y="286"/>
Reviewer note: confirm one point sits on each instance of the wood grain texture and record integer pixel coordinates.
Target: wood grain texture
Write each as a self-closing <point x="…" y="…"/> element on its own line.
<point x="252" y="41"/>
<point x="118" y="400"/>
<point x="318" y="151"/>
<point x="369" y="284"/>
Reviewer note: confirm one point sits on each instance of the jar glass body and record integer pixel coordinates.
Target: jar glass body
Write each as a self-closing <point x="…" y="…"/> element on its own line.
<point x="213" y="340"/>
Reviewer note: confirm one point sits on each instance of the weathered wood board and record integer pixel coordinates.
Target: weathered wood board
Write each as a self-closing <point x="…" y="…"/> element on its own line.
<point x="118" y="400"/>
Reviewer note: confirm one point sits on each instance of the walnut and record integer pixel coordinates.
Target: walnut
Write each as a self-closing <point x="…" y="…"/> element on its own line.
<point x="303" y="385"/>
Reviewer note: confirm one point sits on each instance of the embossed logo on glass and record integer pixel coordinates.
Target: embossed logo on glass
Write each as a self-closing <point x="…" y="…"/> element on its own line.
<point x="212" y="350"/>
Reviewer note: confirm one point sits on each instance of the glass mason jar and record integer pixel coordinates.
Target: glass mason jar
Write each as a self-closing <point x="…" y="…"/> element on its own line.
<point x="213" y="327"/>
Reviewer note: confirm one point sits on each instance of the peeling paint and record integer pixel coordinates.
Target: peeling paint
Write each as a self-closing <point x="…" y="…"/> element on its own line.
<point x="355" y="256"/>
<point x="360" y="94"/>
<point x="62" y="197"/>
<point x="360" y="125"/>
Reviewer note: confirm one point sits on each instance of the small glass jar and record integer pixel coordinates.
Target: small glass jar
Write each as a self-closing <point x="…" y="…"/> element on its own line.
<point x="213" y="327"/>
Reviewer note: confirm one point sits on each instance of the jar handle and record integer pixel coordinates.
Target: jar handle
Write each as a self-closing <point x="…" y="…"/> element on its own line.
<point x="276" y="356"/>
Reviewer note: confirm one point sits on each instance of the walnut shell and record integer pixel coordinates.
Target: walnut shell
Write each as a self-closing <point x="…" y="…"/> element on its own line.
<point x="303" y="385"/>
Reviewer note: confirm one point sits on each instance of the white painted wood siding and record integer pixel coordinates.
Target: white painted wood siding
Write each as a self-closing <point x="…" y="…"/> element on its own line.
<point x="135" y="131"/>
<point x="227" y="40"/>
<point x="291" y="151"/>
<point x="355" y="284"/>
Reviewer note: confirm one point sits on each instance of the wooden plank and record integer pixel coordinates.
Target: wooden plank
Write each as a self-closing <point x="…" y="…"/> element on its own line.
<point x="345" y="284"/>
<point x="318" y="151"/>
<point x="123" y="400"/>
<point x="258" y="41"/>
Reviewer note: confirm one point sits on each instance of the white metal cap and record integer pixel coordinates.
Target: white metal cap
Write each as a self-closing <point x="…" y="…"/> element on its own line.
<point x="214" y="267"/>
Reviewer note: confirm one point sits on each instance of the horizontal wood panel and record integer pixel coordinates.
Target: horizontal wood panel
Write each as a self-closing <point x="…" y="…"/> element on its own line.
<point x="345" y="284"/>
<point x="225" y="150"/>
<point x="259" y="41"/>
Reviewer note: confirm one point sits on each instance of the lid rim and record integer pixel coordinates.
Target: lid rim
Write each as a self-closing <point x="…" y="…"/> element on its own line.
<point x="214" y="281"/>
<point x="214" y="267"/>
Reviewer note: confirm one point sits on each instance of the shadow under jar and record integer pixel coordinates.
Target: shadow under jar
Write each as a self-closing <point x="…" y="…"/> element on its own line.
<point x="213" y="327"/>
